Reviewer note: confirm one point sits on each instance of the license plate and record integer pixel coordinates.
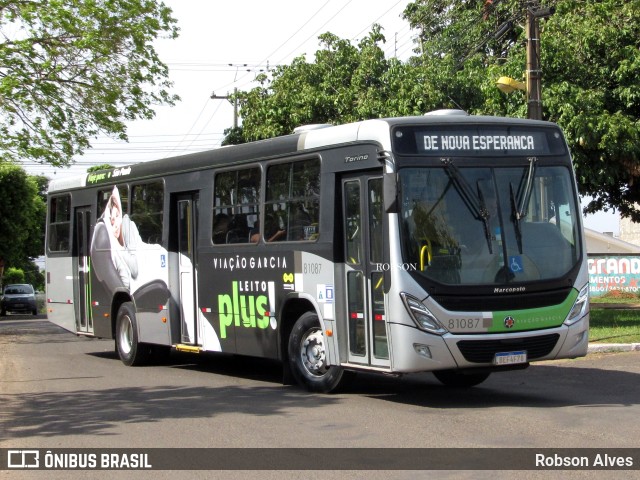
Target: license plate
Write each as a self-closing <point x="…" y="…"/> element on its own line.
<point x="510" y="358"/>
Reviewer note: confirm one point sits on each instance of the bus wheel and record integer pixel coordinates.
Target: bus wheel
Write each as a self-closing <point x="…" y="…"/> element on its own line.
<point x="130" y="351"/>
<point x="307" y="356"/>
<point x="452" y="378"/>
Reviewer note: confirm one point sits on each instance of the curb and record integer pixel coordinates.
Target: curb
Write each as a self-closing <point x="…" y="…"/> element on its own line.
<point x="613" y="347"/>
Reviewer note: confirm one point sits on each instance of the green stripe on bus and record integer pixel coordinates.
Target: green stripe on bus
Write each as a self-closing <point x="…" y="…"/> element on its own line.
<point x="532" y="319"/>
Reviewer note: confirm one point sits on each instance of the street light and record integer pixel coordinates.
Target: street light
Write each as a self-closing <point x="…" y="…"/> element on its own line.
<point x="508" y="85"/>
<point x="532" y="87"/>
<point x="235" y="104"/>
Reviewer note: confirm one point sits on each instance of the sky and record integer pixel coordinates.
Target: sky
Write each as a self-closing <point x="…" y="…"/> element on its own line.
<point x="224" y="45"/>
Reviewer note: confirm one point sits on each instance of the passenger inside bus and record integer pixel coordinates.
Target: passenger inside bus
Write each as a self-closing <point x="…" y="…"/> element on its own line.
<point x="300" y="220"/>
<point x="220" y="228"/>
<point x="273" y="232"/>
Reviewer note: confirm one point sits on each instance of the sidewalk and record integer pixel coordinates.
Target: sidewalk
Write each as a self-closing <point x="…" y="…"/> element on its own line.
<point x="613" y="347"/>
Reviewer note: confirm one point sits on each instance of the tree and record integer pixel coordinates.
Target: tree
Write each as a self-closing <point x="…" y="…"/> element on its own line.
<point x="463" y="28"/>
<point x="13" y="275"/>
<point x="97" y="168"/>
<point x="591" y="58"/>
<point x="590" y="62"/>
<point x="22" y="217"/>
<point x="74" y="68"/>
<point x="345" y="83"/>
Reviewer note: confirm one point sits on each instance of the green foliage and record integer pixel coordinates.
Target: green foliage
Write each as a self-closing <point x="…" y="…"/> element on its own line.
<point x="345" y="83"/>
<point x="233" y="136"/>
<point x="97" y="168"/>
<point x="22" y="217"/>
<point x="463" y="28"/>
<point x="614" y="326"/>
<point x="72" y="69"/>
<point x="590" y="59"/>
<point x="591" y="62"/>
<point x="13" y="275"/>
<point x="29" y="273"/>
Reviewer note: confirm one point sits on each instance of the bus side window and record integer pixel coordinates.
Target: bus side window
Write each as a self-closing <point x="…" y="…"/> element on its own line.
<point x="59" y="219"/>
<point x="236" y="205"/>
<point x="147" y="204"/>
<point x="293" y="198"/>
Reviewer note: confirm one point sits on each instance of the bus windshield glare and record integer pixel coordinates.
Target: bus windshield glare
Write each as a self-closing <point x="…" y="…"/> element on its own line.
<point x="489" y="225"/>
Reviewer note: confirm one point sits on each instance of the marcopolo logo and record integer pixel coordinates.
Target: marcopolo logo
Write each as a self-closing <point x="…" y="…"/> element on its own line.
<point x="509" y="322"/>
<point x="247" y="306"/>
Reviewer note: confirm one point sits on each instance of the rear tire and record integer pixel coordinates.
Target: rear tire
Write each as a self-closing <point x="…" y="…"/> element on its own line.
<point x="453" y="378"/>
<point x="307" y="357"/>
<point x="130" y="350"/>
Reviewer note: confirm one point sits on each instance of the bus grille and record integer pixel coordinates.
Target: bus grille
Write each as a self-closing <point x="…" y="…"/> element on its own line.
<point x="487" y="303"/>
<point x="483" y="351"/>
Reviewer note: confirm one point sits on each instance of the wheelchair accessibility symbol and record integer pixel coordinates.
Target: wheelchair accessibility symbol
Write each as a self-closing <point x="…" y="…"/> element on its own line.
<point x="515" y="264"/>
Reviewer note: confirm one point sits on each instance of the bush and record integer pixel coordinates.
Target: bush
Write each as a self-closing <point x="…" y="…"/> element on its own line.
<point x="13" y="275"/>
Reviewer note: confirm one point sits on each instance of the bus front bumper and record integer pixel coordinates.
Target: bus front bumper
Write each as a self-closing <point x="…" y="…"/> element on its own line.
<point x="420" y="351"/>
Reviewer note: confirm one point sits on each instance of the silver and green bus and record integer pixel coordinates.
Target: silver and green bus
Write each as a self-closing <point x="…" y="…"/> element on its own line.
<point x="446" y="243"/>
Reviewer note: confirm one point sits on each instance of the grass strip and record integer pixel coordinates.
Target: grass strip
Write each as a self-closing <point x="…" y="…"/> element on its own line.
<point x="608" y="325"/>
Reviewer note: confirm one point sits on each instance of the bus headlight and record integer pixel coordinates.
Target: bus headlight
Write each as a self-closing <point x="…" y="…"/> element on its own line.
<point x="579" y="307"/>
<point x="421" y="315"/>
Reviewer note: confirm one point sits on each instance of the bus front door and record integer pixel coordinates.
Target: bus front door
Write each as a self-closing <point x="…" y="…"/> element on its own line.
<point x="82" y="265"/>
<point x="367" y="322"/>
<point x="187" y="206"/>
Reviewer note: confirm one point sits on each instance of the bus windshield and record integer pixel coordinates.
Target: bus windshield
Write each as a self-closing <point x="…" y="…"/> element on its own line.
<point x="489" y="225"/>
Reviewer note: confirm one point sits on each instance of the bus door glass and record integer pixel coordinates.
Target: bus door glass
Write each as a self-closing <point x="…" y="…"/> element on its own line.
<point x="82" y="288"/>
<point x="187" y="228"/>
<point x="363" y="217"/>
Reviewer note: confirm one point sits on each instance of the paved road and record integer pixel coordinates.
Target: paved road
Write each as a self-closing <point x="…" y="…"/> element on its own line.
<point x="58" y="390"/>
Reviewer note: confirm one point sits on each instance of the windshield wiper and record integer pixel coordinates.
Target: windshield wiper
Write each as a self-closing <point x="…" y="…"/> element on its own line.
<point x="520" y="206"/>
<point x="474" y="201"/>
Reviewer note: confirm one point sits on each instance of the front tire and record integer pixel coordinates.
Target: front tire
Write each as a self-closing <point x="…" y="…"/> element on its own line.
<point x="130" y="350"/>
<point x="452" y="378"/>
<point x="307" y="356"/>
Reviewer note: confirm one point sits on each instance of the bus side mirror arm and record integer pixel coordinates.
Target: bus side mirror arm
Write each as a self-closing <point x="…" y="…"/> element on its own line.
<point x="390" y="192"/>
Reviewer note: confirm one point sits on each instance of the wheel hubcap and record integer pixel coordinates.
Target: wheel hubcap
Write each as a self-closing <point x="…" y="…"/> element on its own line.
<point x="313" y="353"/>
<point x="126" y="334"/>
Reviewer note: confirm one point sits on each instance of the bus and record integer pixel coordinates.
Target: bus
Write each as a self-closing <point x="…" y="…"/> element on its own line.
<point x="444" y="243"/>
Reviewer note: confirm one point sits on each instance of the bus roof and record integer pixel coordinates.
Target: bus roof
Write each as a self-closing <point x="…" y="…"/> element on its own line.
<point x="375" y="130"/>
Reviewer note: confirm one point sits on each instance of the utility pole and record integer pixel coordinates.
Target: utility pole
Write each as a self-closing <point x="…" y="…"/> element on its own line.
<point x="534" y="73"/>
<point x="235" y="104"/>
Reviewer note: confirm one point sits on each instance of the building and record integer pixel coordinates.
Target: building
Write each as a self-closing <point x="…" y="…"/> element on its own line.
<point x="606" y="244"/>
<point x="614" y="264"/>
<point x="629" y="231"/>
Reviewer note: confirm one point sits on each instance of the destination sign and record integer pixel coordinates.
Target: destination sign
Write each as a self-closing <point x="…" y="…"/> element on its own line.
<point x="107" y="175"/>
<point x="480" y="142"/>
<point x="474" y="141"/>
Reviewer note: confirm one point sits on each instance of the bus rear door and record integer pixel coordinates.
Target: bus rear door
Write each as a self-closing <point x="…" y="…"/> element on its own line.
<point x="82" y="286"/>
